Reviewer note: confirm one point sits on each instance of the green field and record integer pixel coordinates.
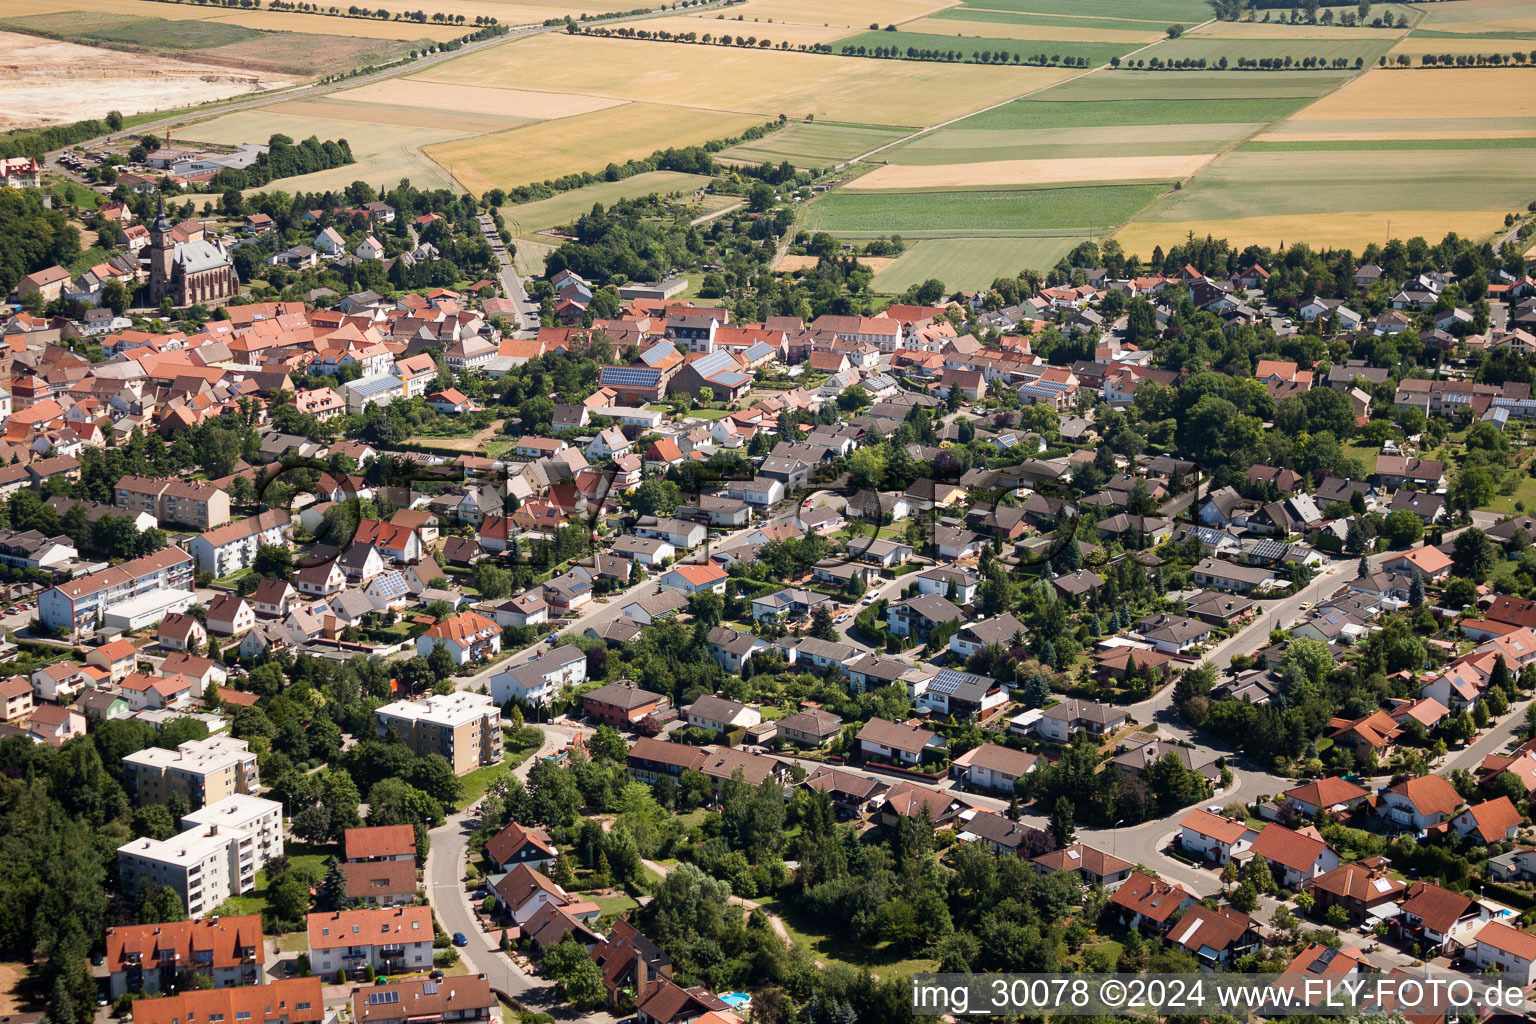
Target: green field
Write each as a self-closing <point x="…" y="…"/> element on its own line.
<point x="1187" y="12"/>
<point x="1254" y="184"/>
<point x="815" y="143"/>
<point x="1044" y="113"/>
<point x="971" y="262"/>
<point x="566" y="207"/>
<point x="130" y="30"/>
<point x="1022" y="18"/>
<point x="1017" y="50"/>
<point x="956" y="145"/>
<point x="1365" y="49"/>
<point x="981" y="211"/>
<point x="1185" y="86"/>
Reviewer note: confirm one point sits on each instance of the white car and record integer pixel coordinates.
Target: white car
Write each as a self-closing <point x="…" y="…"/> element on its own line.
<point x="841" y="618"/>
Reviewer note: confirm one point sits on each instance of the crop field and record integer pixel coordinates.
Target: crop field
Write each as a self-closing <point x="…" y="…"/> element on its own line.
<point x="384" y="153"/>
<point x="942" y="24"/>
<point x="361" y="28"/>
<point x="473" y="99"/>
<point x="797" y="264"/>
<point x="1188" y="12"/>
<point x="1032" y="172"/>
<point x="562" y="209"/>
<point x="970" y="44"/>
<point x="1416" y="45"/>
<point x="1184" y="86"/>
<point x="995" y="20"/>
<point x="1412" y="95"/>
<point x="971" y="262"/>
<point x="1500" y="17"/>
<point x="1045" y="111"/>
<point x="952" y="145"/>
<point x="814" y="143"/>
<point x="851" y="14"/>
<point x="761" y="82"/>
<point x="387" y="114"/>
<point x="1363" y="49"/>
<point x="1004" y="211"/>
<point x="1349" y="230"/>
<point x="100" y="28"/>
<point x="550" y="149"/>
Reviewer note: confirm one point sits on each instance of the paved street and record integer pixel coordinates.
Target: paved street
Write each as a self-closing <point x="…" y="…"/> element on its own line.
<point x="451" y="903"/>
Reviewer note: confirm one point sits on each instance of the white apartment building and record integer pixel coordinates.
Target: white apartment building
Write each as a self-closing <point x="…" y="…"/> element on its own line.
<point x="229" y="548"/>
<point x="464" y="727"/>
<point x="79" y="603"/>
<point x="215" y="858"/>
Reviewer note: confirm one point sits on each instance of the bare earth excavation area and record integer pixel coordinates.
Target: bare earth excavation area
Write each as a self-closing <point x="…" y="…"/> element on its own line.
<point x="33" y="70"/>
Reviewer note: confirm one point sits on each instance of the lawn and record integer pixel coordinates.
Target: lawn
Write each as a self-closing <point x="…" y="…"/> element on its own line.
<point x="961" y="211"/>
<point x="1504" y="504"/>
<point x="1044" y="111"/>
<point x="815" y="143"/>
<point x="614" y="906"/>
<point x="475" y="784"/>
<point x="968" y="46"/>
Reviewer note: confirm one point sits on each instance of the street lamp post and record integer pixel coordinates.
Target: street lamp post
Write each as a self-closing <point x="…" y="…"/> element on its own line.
<point x="1115" y="849"/>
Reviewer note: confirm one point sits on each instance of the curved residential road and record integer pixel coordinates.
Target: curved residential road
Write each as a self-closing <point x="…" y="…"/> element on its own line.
<point x="450" y="902"/>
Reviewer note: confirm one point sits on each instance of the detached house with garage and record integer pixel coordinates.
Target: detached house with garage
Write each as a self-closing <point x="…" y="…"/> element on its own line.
<point x="902" y="743"/>
<point x="1212" y="837"/>
<point x="1296" y="856"/>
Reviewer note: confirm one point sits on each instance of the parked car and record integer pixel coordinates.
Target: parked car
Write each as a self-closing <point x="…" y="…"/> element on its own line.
<point x="459" y="939"/>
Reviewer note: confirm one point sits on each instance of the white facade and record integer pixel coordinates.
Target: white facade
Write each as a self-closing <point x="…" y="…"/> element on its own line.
<point x="217" y="857"/>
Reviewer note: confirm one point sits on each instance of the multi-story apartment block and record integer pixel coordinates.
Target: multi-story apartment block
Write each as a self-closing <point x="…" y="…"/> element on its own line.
<point x="154" y="958"/>
<point x="289" y="1001"/>
<point x="463" y="727"/>
<point x="229" y="548"/>
<point x="204" y="771"/>
<point x="188" y="503"/>
<point x="424" y="1001"/>
<point x="80" y="603"/>
<point x="390" y="939"/>
<point x="215" y="858"/>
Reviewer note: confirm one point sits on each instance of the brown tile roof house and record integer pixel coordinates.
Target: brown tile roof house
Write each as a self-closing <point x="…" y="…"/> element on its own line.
<point x="382" y="881"/>
<point x="621" y="703"/>
<point x="909" y="800"/>
<point x="1437" y="909"/>
<point x="1150" y="900"/>
<point x="900" y="737"/>
<point x="1491" y="821"/>
<point x="286" y="1001"/>
<point x="519" y="844"/>
<point x="1096" y="865"/>
<point x="667" y="1003"/>
<point x="381" y="842"/>
<point x="1310" y="797"/>
<point x="812" y="727"/>
<point x="649" y="757"/>
<point x="1292" y="850"/>
<point x="551" y="925"/>
<point x="629" y="960"/>
<point x="1214" y="936"/>
<point x="1357" y="888"/>
<point x="423" y="1001"/>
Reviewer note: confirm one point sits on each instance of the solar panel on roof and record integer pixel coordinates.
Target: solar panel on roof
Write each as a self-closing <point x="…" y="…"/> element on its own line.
<point x="429" y="988"/>
<point x="380" y="998"/>
<point x="630" y="376"/>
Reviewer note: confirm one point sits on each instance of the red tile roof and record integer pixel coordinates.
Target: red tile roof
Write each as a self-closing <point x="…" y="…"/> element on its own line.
<point x="380" y="841"/>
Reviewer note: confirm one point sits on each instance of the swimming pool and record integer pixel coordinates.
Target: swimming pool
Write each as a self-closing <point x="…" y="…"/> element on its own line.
<point x="736" y="1000"/>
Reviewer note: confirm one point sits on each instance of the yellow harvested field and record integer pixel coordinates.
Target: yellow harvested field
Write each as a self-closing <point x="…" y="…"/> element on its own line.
<point x="1347" y="230"/>
<point x="776" y="31"/>
<point x="1353" y="135"/>
<point x="1416" y="45"/>
<point x="764" y="83"/>
<point x="141" y="8"/>
<point x="517" y="13"/>
<point x="859" y="14"/>
<point x="795" y="264"/>
<point x="1053" y="33"/>
<point x="1412" y="95"/>
<point x="383" y="113"/>
<point x="1032" y="172"/>
<point x="475" y="99"/>
<point x="360" y="28"/>
<point x="588" y="142"/>
<point x="384" y="152"/>
<point x="1275" y="30"/>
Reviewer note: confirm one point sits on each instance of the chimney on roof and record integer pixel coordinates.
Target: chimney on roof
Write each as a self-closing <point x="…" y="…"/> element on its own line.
<point x="641" y="973"/>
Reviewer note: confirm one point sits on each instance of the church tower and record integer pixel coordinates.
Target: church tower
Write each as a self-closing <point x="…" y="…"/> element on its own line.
<point x="162" y="257"/>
